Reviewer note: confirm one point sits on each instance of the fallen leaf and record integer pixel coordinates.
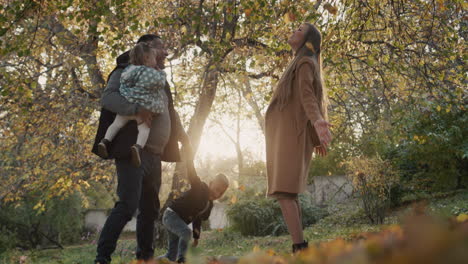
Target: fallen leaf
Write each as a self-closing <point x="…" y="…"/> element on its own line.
<point x="330" y="8"/>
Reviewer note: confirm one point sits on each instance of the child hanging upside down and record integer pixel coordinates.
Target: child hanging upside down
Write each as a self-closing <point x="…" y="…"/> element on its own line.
<point x="192" y="206"/>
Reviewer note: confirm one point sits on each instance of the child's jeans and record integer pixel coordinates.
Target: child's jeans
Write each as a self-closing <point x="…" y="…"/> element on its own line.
<point x="120" y="121"/>
<point x="179" y="235"/>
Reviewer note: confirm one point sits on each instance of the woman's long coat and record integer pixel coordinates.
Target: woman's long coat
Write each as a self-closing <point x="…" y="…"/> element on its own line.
<point x="290" y="134"/>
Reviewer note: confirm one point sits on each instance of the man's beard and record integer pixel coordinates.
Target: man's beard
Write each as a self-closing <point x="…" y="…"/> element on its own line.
<point x="161" y="65"/>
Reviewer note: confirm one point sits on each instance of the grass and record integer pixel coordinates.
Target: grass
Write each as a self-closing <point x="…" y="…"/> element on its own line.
<point x="455" y="204"/>
<point x="346" y="221"/>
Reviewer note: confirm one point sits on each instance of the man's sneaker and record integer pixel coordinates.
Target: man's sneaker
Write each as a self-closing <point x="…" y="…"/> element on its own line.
<point x="181" y="260"/>
<point x="136" y="153"/>
<point x="102" y="148"/>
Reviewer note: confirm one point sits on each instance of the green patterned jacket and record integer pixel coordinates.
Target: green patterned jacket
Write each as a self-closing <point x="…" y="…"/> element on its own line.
<point x="144" y="86"/>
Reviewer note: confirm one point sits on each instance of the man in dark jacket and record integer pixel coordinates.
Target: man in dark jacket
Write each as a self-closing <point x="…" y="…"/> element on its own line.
<point x="192" y="206"/>
<point x="138" y="188"/>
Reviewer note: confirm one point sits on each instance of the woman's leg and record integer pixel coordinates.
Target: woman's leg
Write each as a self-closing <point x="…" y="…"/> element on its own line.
<point x="292" y="217"/>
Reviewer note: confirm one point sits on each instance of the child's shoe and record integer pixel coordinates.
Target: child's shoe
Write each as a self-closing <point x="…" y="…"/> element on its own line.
<point x="136" y="153"/>
<point x="102" y="148"/>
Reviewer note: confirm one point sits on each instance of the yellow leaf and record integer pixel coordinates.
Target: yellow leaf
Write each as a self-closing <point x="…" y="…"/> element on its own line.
<point x="289" y="17"/>
<point x="39" y="206"/>
<point x="286" y="18"/>
<point x="37" y="171"/>
<point x="441" y="4"/>
<point x="242" y="188"/>
<point x="438" y="108"/>
<point x="183" y="29"/>
<point x="234" y="199"/>
<point x="332" y="9"/>
<point x="247" y="12"/>
<point x="256" y="248"/>
<point x="462" y="218"/>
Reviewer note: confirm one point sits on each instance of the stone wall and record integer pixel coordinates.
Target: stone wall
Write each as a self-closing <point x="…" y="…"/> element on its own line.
<point x="218" y="218"/>
<point x="324" y="190"/>
<point x="95" y="219"/>
<point x="331" y="189"/>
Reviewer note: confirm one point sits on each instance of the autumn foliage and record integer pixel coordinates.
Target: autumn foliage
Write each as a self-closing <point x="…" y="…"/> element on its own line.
<point x="394" y="70"/>
<point x="421" y="239"/>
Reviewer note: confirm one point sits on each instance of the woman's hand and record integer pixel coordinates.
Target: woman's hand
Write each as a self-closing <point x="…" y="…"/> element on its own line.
<point x="321" y="151"/>
<point x="322" y="128"/>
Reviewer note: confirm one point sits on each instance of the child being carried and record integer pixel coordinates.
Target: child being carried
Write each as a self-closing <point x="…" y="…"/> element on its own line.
<point x="141" y="83"/>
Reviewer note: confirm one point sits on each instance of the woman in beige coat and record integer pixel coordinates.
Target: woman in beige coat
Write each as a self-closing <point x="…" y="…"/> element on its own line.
<point x="295" y="126"/>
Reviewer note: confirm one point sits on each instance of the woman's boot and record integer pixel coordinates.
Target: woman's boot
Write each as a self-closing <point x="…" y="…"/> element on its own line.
<point x="300" y="246"/>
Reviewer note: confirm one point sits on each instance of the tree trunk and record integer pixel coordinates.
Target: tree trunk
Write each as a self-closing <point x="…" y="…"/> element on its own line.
<point x="197" y="122"/>
<point x="195" y="130"/>
<point x="248" y="95"/>
<point x="240" y="157"/>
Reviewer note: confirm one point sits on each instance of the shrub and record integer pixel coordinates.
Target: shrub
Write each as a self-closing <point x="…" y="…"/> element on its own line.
<point x="330" y="163"/>
<point x="373" y="179"/>
<point x="61" y="222"/>
<point x="7" y="239"/>
<point x="260" y="216"/>
<point x="433" y="152"/>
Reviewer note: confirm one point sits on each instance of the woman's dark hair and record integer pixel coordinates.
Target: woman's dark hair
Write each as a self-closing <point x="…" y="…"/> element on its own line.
<point x="148" y="38"/>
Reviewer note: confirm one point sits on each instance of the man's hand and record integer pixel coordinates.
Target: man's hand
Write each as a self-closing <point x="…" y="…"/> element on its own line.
<point x="145" y="115"/>
<point x="195" y="243"/>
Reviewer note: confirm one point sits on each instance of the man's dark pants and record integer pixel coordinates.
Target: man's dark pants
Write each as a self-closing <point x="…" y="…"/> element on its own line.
<point x="137" y="188"/>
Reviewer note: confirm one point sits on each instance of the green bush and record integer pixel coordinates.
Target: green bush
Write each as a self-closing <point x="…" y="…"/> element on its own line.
<point x="61" y="222"/>
<point x="375" y="180"/>
<point x="397" y="193"/>
<point x="329" y="165"/>
<point x="7" y="239"/>
<point x="433" y="152"/>
<point x="260" y="216"/>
